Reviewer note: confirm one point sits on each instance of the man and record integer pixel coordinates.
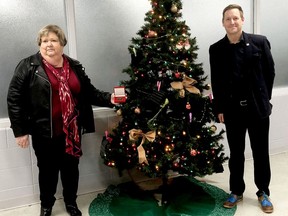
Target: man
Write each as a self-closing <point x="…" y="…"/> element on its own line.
<point x="242" y="76"/>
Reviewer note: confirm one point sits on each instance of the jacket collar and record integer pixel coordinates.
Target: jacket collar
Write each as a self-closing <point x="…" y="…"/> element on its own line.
<point x="242" y="39"/>
<point x="36" y="62"/>
<point x="250" y="47"/>
<point x="36" y="59"/>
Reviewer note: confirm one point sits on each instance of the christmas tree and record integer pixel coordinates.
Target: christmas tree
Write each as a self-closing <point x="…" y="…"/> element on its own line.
<point x="167" y="121"/>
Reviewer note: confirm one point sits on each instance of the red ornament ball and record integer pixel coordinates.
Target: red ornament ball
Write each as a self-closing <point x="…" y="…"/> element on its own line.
<point x="193" y="152"/>
<point x="152" y="34"/>
<point x="177" y="75"/>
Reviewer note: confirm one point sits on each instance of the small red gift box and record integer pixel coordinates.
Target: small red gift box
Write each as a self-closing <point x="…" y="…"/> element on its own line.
<point x="119" y="94"/>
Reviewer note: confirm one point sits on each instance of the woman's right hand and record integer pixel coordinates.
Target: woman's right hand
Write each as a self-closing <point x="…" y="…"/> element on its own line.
<point x="23" y="141"/>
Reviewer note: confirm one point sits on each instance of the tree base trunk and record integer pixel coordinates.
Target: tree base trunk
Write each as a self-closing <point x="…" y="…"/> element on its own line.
<point x="159" y="187"/>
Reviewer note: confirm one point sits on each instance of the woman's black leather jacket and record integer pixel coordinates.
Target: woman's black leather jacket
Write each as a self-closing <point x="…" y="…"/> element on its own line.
<point x="30" y="99"/>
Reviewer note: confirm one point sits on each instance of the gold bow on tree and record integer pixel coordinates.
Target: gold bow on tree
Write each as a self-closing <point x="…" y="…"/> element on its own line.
<point x="134" y="134"/>
<point x="186" y="84"/>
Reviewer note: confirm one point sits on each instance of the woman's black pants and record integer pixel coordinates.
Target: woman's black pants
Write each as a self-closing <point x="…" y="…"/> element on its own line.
<point x="52" y="160"/>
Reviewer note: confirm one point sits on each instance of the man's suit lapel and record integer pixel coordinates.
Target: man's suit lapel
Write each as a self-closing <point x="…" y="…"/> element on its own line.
<point x="251" y="50"/>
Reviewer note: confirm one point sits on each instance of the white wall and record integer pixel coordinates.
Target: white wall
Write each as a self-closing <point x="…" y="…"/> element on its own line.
<point x="18" y="170"/>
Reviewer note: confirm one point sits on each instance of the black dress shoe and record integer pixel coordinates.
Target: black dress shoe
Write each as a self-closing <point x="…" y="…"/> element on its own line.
<point x="45" y="211"/>
<point x="73" y="210"/>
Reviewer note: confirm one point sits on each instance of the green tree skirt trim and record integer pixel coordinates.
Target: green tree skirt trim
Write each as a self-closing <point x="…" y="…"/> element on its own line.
<point x="186" y="196"/>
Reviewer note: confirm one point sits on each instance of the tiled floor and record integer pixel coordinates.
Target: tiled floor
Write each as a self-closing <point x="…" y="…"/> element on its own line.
<point x="249" y="206"/>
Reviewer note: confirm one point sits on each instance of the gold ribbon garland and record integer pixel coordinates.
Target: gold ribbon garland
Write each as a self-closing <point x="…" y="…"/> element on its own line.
<point x="134" y="135"/>
<point x="186" y="84"/>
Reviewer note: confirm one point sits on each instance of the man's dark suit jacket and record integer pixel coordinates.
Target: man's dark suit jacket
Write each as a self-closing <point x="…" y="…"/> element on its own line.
<point x="259" y="66"/>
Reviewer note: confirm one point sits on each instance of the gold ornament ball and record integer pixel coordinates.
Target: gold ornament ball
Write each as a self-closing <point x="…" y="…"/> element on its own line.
<point x="174" y="8"/>
<point x="213" y="128"/>
<point x="137" y="110"/>
<point x="208" y="86"/>
<point x="119" y="112"/>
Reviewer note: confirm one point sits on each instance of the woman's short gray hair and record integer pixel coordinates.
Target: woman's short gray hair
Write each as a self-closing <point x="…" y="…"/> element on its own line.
<point x="55" y="29"/>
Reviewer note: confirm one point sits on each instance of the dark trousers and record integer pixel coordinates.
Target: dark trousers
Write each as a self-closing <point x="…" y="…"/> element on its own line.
<point x="52" y="160"/>
<point x="237" y="124"/>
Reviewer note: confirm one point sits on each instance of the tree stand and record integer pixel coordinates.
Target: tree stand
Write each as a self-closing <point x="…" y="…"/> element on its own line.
<point x="158" y="187"/>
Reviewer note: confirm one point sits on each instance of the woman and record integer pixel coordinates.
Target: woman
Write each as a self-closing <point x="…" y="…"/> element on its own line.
<point x="50" y="98"/>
